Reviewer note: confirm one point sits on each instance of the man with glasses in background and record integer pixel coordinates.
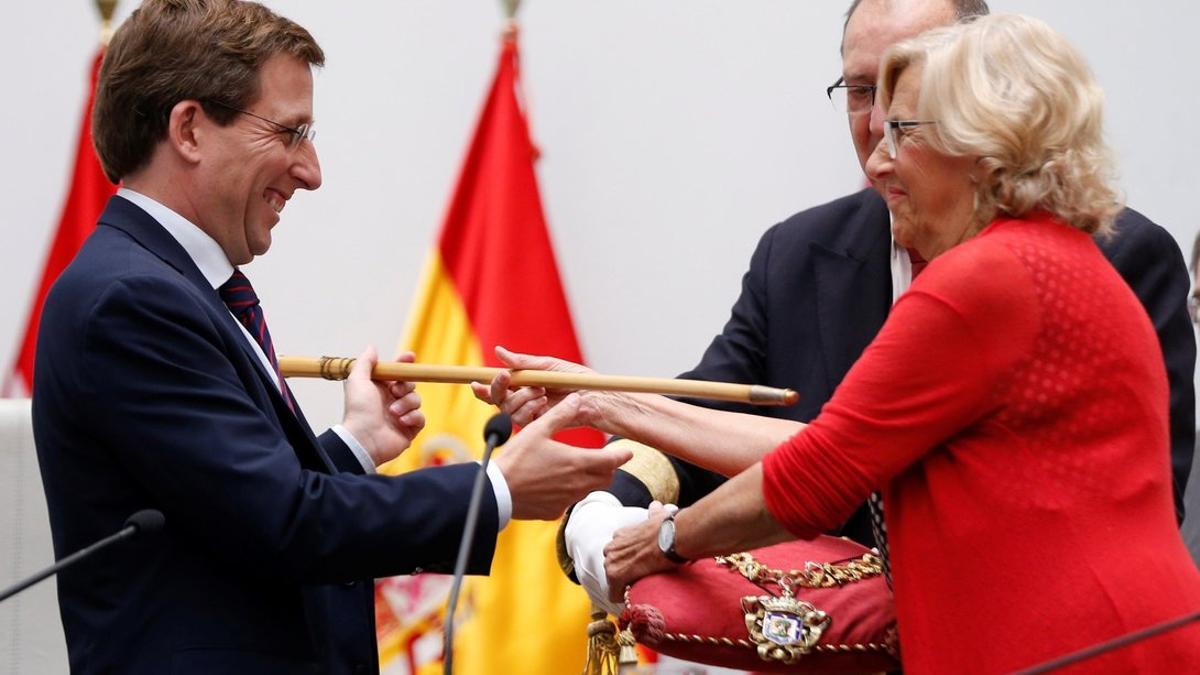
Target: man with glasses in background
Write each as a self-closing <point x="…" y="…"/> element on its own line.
<point x="818" y="289"/>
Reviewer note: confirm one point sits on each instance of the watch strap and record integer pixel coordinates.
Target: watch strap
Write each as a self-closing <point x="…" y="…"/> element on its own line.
<point x="670" y="552"/>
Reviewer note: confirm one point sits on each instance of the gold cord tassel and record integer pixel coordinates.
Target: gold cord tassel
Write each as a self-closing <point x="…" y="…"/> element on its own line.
<point x="608" y="650"/>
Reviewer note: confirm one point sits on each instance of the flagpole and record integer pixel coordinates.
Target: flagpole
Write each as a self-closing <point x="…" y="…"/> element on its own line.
<point x="86" y="195"/>
<point x="461" y="305"/>
<point x="107" y="9"/>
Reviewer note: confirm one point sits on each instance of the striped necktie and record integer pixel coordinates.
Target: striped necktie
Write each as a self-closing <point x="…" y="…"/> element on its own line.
<point x="242" y="301"/>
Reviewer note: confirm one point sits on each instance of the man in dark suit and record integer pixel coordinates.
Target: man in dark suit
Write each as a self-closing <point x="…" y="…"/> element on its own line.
<point x="819" y="287"/>
<point x="156" y="386"/>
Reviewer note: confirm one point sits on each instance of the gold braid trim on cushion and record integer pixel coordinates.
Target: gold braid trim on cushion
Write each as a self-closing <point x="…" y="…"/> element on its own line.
<point x="651" y="468"/>
<point x="814" y="574"/>
<point x="835" y="649"/>
<point x="890" y="645"/>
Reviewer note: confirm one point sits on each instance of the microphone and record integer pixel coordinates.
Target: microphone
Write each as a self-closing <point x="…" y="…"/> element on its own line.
<point x="500" y="426"/>
<point x="143" y="523"/>
<point x="495" y="433"/>
<point x="146" y="522"/>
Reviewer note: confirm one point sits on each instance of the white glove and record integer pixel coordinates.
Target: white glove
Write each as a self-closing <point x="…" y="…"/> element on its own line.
<point x="588" y="531"/>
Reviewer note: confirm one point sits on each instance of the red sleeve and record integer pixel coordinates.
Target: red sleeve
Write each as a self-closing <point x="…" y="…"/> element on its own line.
<point x="929" y="374"/>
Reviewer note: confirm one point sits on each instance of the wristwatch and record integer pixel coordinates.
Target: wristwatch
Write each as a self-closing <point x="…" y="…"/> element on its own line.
<point x="666" y="540"/>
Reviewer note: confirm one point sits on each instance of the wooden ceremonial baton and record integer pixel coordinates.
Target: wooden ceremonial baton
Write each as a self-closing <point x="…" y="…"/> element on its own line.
<point x="338" y="368"/>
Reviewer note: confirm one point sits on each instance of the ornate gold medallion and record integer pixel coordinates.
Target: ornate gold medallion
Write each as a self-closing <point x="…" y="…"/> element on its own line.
<point x="784" y="628"/>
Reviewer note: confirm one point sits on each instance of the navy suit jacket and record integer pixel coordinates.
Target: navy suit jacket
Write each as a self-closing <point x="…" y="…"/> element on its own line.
<point x="147" y="395"/>
<point x="819" y="288"/>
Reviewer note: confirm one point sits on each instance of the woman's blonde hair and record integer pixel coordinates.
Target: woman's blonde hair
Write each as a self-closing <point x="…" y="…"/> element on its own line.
<point x="1013" y="92"/>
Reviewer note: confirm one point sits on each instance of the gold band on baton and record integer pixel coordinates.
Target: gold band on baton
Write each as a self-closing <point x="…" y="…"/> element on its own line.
<point x="338" y="368"/>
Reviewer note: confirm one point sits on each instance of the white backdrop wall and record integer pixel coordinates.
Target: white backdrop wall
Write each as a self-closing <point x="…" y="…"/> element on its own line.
<point x="673" y="133"/>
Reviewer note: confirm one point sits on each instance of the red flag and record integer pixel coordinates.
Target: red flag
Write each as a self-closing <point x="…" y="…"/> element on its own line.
<point x="491" y="279"/>
<point x="89" y="192"/>
<point x="495" y="245"/>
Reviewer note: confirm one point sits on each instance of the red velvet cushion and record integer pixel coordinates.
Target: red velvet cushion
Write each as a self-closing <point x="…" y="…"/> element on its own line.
<point x="695" y="613"/>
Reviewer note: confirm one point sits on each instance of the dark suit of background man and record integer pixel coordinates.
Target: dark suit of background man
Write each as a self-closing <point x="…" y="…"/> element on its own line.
<point x="150" y="394"/>
<point x="821" y="283"/>
<point x="1191" y="525"/>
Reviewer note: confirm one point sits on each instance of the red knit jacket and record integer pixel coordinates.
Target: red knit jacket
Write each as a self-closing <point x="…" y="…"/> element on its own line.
<point x="1013" y="409"/>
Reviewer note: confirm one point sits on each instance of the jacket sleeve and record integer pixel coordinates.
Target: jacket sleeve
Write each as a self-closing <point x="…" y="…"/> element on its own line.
<point x="165" y="402"/>
<point x="343" y="457"/>
<point x="896" y="404"/>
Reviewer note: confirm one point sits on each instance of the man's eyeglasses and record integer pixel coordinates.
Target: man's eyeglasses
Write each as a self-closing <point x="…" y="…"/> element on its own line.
<point x="894" y="132"/>
<point x="295" y="135"/>
<point x="853" y="99"/>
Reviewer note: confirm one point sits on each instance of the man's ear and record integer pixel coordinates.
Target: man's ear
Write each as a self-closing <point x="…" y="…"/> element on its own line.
<point x="185" y="129"/>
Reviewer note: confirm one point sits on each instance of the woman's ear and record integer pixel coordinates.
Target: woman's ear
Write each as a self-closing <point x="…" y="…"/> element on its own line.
<point x="977" y="171"/>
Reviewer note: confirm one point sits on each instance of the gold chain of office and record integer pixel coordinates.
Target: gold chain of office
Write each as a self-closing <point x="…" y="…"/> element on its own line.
<point x="814" y="574"/>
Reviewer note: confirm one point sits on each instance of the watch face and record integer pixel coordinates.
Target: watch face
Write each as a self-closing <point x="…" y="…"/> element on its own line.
<point x="666" y="535"/>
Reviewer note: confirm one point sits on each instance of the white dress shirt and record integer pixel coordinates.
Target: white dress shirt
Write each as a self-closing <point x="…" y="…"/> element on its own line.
<point x="901" y="266"/>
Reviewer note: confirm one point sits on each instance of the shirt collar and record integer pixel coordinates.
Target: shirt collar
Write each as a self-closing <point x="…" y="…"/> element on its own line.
<point x="901" y="265"/>
<point x="204" y="251"/>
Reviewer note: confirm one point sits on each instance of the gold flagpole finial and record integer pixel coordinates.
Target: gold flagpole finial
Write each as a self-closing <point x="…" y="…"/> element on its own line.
<point x="510" y="18"/>
<point x="107" y="8"/>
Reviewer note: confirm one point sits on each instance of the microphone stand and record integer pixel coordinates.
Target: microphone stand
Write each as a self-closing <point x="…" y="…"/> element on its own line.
<point x="1111" y="645"/>
<point x="495" y="433"/>
<point x="147" y="521"/>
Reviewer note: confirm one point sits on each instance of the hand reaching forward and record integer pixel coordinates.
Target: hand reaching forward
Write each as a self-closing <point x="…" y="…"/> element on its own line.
<point x="545" y="476"/>
<point x="383" y="416"/>
<point x="524" y="404"/>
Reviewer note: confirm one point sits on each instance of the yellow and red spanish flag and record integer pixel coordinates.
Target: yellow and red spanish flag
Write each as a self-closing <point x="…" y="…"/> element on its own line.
<point x="86" y="197"/>
<point x="492" y="279"/>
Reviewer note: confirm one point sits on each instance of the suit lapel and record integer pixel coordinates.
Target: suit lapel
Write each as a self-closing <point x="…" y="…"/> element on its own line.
<point x="144" y="229"/>
<point x="304" y="427"/>
<point x="854" y="287"/>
